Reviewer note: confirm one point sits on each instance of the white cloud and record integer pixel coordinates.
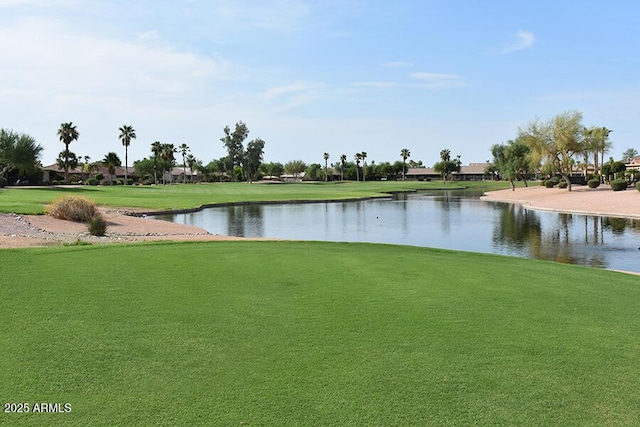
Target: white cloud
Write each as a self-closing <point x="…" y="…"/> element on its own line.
<point x="523" y="40"/>
<point x="438" y="80"/>
<point x="293" y="95"/>
<point x="49" y="60"/>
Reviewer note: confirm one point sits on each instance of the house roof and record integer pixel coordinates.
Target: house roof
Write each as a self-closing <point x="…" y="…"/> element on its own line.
<point x="101" y="169"/>
<point x="470" y="169"/>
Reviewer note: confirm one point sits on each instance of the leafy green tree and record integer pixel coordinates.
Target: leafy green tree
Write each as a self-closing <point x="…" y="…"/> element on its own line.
<point x="252" y="158"/>
<point x="111" y="161"/>
<point x="512" y="161"/>
<point x="357" y="157"/>
<point x="446" y="166"/>
<point x="217" y="167"/>
<point x="385" y="170"/>
<point x="127" y="133"/>
<point x="233" y="142"/>
<point x="67" y="134"/>
<point x="273" y="169"/>
<point x="612" y="169"/>
<point x="295" y="167"/>
<point x="405" y="154"/>
<point x="555" y="142"/>
<point x="19" y="154"/>
<point x="325" y="156"/>
<point x="313" y="172"/>
<point x="144" y="168"/>
<point x="184" y="150"/>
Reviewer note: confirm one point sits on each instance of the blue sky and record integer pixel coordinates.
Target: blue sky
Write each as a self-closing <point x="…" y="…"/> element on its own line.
<point x="311" y="77"/>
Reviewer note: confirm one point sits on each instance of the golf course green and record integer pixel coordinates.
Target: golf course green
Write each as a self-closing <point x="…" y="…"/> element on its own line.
<point x="279" y="333"/>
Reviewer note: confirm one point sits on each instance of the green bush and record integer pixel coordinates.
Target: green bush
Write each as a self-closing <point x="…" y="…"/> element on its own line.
<point x="618" y="184"/>
<point x="543" y="183"/>
<point x="550" y="183"/>
<point x="638" y="186"/>
<point x="562" y="184"/>
<point x="92" y="181"/>
<point x="593" y="183"/>
<point x="97" y="225"/>
<point x="72" y="208"/>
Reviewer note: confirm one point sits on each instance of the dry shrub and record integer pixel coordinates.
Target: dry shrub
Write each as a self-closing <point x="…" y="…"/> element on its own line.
<point x="97" y="225"/>
<point x="73" y="208"/>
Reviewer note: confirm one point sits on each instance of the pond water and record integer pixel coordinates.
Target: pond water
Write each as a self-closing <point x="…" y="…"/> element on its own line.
<point x="448" y="220"/>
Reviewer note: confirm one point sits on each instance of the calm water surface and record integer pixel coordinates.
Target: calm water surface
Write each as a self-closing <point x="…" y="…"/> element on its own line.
<point x="448" y="220"/>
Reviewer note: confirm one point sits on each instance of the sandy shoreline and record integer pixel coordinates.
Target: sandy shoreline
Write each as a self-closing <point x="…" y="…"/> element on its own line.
<point x="601" y="201"/>
<point x="42" y="230"/>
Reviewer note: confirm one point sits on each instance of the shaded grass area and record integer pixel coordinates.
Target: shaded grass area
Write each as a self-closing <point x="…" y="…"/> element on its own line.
<point x="308" y="333"/>
<point x="33" y="200"/>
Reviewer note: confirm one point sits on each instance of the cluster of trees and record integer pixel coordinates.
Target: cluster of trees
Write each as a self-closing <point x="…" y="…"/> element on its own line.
<point x="554" y="147"/>
<point x="163" y="157"/>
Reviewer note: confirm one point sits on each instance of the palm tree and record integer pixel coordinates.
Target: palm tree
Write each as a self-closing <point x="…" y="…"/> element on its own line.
<point x="111" y="161"/>
<point x="357" y="158"/>
<point x="17" y="152"/>
<point x="343" y="160"/>
<point x="405" y="154"/>
<point x="184" y="149"/>
<point x="325" y="156"/>
<point x="127" y="133"/>
<point x="156" y="149"/>
<point x="603" y="143"/>
<point x="167" y="154"/>
<point x="363" y="156"/>
<point x="67" y="134"/>
<point x="191" y="161"/>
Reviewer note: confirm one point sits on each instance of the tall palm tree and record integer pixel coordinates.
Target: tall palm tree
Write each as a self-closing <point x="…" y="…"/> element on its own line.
<point x="603" y="143"/>
<point x="67" y="134"/>
<point x="156" y="149"/>
<point x="111" y="161"/>
<point x="127" y="133"/>
<point x="343" y="160"/>
<point x="405" y="154"/>
<point x="325" y="156"/>
<point x="363" y="156"/>
<point x="191" y="161"/>
<point x="184" y="149"/>
<point x="357" y="157"/>
<point x="167" y="154"/>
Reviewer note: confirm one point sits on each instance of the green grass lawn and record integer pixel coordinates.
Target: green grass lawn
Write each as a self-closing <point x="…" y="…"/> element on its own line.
<point x="311" y="333"/>
<point x="33" y="200"/>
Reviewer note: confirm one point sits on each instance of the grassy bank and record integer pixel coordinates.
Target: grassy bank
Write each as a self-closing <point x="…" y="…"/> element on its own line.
<point x="33" y="200"/>
<point x="302" y="333"/>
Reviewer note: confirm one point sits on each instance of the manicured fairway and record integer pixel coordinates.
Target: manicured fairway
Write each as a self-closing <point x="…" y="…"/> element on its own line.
<point x="32" y="200"/>
<point x="308" y="333"/>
